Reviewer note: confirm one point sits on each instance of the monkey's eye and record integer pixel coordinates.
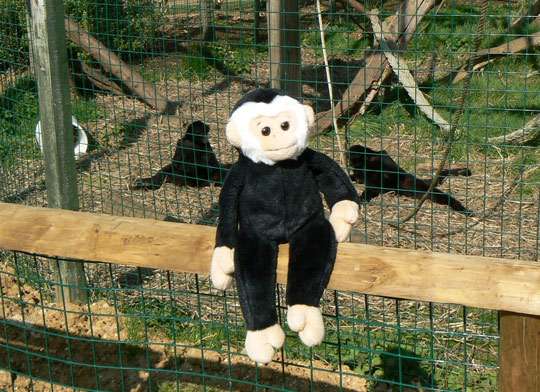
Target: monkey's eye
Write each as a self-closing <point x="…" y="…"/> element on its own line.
<point x="285" y="126"/>
<point x="265" y="131"/>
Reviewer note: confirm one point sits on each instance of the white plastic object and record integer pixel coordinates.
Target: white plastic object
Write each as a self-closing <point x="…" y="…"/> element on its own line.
<point x="81" y="144"/>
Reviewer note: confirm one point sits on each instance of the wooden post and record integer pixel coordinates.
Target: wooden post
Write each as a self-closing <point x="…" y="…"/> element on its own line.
<point x="207" y="20"/>
<point x="284" y="46"/>
<point x="519" y="353"/>
<point x="48" y="38"/>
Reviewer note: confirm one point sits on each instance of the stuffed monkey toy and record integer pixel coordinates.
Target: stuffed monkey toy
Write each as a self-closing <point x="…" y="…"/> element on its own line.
<point x="271" y="196"/>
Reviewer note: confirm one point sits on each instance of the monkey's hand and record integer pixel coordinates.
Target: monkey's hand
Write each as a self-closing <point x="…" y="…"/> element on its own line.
<point x="344" y="215"/>
<point x="222" y="267"/>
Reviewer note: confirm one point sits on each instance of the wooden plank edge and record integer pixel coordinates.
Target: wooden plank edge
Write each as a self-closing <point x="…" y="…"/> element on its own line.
<point x="476" y="281"/>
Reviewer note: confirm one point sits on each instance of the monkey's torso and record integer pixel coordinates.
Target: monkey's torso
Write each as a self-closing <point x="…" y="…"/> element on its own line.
<point x="275" y="201"/>
<point x="263" y="205"/>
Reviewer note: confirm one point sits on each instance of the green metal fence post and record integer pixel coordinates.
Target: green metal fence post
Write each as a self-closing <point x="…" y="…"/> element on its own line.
<point x="48" y="36"/>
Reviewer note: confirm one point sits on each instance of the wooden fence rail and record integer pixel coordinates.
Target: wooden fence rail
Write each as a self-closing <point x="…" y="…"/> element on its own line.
<point x="417" y="275"/>
<point x="492" y="283"/>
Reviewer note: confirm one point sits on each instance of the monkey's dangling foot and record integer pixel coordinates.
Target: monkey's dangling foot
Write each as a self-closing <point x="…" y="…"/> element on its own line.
<point x="308" y="322"/>
<point x="261" y="345"/>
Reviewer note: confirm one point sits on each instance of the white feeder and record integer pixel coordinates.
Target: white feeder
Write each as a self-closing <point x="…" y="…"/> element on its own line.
<point x="81" y="144"/>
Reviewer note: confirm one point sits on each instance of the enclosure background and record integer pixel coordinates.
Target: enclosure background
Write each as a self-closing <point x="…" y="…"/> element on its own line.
<point x="163" y="331"/>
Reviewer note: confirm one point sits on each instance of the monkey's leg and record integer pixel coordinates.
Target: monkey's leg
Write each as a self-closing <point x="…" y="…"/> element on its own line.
<point x="437" y="196"/>
<point x="370" y="193"/>
<point x="446" y="199"/>
<point x="255" y="273"/>
<point x="311" y="261"/>
<point x="154" y="182"/>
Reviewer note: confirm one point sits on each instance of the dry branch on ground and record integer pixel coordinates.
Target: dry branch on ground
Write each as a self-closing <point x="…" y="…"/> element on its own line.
<point x="487" y="56"/>
<point x="522" y="136"/>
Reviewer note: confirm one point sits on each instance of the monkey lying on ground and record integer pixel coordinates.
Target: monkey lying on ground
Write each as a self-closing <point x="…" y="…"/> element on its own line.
<point x="381" y="174"/>
<point x="194" y="162"/>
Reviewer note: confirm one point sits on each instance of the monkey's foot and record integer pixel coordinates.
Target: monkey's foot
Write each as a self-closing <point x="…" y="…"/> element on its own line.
<point x="222" y="267"/>
<point x="261" y="345"/>
<point x="308" y="322"/>
<point x="145" y="184"/>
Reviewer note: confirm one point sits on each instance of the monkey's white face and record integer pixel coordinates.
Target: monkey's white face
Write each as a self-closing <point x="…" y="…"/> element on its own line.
<point x="277" y="135"/>
<point x="271" y="132"/>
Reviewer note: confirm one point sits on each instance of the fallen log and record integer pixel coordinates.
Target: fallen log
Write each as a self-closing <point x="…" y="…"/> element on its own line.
<point x="489" y="55"/>
<point x="522" y="136"/>
<point x="405" y="77"/>
<point x="112" y="63"/>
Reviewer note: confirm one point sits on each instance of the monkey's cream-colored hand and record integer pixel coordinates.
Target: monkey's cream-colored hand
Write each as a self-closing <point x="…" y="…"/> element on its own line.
<point x="222" y="267"/>
<point x="344" y="215"/>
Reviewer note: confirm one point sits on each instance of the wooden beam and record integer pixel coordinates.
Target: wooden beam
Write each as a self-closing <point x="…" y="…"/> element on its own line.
<point x="426" y="276"/>
<point x="409" y="15"/>
<point x="519" y="353"/>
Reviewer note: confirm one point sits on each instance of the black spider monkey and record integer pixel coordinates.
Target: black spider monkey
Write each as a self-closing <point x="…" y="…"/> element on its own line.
<point x="194" y="162"/>
<point x="381" y="174"/>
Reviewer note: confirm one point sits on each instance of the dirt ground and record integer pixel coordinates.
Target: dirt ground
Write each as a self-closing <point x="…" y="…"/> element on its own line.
<point x="87" y="347"/>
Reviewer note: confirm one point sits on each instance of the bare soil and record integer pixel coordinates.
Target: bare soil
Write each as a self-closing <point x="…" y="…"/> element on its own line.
<point x="88" y="347"/>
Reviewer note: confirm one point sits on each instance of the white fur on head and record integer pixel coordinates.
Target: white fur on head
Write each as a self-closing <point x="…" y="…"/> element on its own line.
<point x="250" y="146"/>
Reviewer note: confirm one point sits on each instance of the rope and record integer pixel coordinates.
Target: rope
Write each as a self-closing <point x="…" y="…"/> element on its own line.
<point x="343" y="157"/>
<point x="459" y="111"/>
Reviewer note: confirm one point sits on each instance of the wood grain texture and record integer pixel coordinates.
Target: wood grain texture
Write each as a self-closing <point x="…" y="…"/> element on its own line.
<point x="427" y="276"/>
<point x="519" y="358"/>
<point x="284" y="46"/>
<point x="48" y="38"/>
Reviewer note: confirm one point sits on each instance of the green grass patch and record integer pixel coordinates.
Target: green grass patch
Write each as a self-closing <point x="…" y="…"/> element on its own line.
<point x="19" y="114"/>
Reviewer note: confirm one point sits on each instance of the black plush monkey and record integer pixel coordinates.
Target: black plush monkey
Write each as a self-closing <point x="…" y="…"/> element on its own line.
<point x="381" y="174"/>
<point x="194" y="162"/>
<point x="272" y="196"/>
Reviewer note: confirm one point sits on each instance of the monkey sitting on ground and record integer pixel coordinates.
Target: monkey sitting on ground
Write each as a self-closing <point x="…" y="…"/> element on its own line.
<point x="194" y="162"/>
<point x="381" y="174"/>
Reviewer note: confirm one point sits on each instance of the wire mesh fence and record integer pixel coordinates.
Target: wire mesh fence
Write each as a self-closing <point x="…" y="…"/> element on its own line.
<point x="164" y="331"/>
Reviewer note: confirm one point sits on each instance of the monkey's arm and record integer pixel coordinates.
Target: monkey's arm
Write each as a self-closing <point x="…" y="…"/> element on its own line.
<point x="332" y="180"/>
<point x="222" y="266"/>
<point x="228" y="207"/>
<point x="339" y="193"/>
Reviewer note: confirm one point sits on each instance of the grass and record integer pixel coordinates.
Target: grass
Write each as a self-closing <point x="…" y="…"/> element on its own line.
<point x="18" y="118"/>
<point x="19" y="115"/>
<point x="395" y="342"/>
<point x="203" y="61"/>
